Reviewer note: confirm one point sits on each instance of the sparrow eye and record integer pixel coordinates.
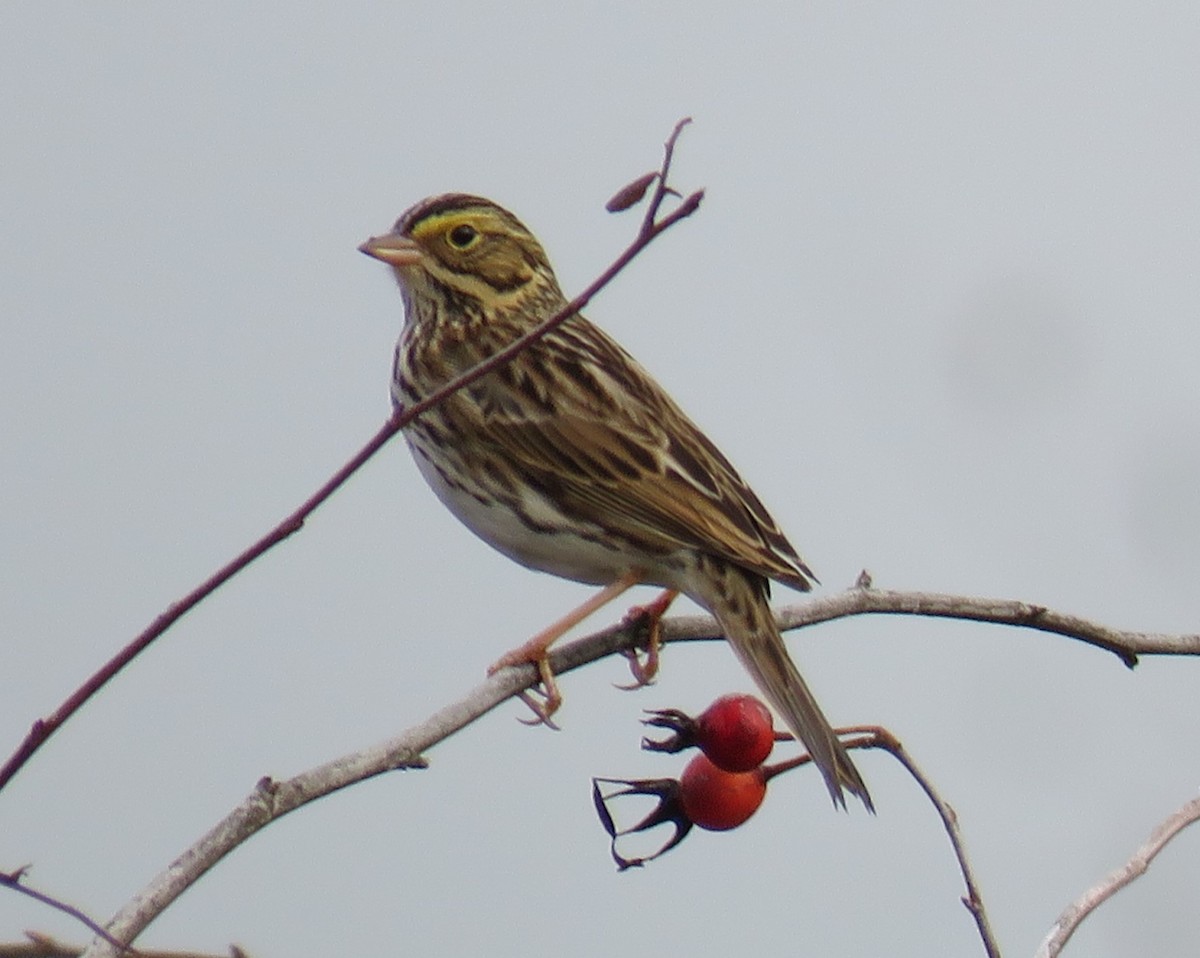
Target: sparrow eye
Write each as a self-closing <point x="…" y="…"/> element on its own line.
<point x="463" y="236"/>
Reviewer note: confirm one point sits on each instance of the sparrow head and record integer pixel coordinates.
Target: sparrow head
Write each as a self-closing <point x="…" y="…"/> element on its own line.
<point x="465" y="247"/>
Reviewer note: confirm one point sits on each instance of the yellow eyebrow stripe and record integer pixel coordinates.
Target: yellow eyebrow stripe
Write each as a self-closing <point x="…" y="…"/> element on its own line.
<point x="482" y="220"/>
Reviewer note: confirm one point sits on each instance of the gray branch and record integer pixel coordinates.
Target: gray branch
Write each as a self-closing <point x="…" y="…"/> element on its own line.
<point x="272" y="799"/>
<point x="1117" y="879"/>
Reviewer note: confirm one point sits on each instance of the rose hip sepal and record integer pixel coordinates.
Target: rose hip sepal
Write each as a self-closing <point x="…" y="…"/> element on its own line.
<point x="736" y="732"/>
<point x="703" y="795"/>
<point x="669" y="809"/>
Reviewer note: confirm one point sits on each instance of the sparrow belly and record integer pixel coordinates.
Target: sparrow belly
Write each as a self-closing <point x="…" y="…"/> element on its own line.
<point x="530" y="529"/>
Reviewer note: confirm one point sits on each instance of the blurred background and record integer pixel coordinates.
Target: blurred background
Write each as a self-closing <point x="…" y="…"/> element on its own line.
<point x="940" y="307"/>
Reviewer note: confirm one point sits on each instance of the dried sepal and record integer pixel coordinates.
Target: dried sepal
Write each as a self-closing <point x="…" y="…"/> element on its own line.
<point x="681" y="726"/>
<point x="735" y="731"/>
<point x="669" y="810"/>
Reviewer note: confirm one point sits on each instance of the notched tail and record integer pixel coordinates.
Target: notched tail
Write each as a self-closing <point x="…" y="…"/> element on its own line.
<point x="751" y="630"/>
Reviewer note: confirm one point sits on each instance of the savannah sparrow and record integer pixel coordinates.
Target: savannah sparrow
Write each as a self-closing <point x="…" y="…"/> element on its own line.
<point x="571" y="459"/>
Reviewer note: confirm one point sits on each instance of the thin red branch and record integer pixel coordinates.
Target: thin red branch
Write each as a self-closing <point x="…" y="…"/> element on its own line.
<point x="43" y="728"/>
<point x="650" y="228"/>
<point x="14" y="880"/>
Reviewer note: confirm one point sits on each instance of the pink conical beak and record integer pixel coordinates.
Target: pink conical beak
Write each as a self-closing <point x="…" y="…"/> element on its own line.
<point x="393" y="249"/>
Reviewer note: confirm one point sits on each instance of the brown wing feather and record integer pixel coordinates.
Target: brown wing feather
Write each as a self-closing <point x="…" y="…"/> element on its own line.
<point x="643" y="463"/>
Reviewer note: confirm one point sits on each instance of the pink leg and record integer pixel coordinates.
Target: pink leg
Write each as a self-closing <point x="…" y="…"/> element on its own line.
<point x="537" y="648"/>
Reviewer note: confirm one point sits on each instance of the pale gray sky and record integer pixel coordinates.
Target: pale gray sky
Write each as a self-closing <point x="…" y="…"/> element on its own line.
<point x="940" y="307"/>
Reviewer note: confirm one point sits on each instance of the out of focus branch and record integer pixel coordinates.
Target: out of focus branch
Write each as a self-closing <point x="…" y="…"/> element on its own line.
<point x="15" y="880"/>
<point x="1137" y="865"/>
<point x="44" y="946"/>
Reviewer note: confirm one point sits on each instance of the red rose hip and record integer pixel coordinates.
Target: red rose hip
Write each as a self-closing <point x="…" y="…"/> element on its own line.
<point x="716" y="799"/>
<point x="736" y="732"/>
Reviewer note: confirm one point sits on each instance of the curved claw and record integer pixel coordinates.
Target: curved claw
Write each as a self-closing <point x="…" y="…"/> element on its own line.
<point x="645" y="670"/>
<point x="535" y="651"/>
<point x="551" y="701"/>
<point x="552" y="697"/>
<point x="540" y="710"/>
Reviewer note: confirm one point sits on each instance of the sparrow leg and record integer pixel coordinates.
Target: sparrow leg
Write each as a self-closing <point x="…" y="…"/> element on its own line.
<point x="645" y="670"/>
<point x="536" y="650"/>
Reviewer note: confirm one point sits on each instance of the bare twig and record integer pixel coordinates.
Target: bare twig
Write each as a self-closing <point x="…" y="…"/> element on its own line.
<point x="15" y="881"/>
<point x="43" y="728"/>
<point x="405" y="750"/>
<point x="38" y="945"/>
<point x="271" y="800"/>
<point x="972" y="901"/>
<point x="875" y="736"/>
<point x="1127" y="645"/>
<point x="650" y="229"/>
<point x="1137" y="865"/>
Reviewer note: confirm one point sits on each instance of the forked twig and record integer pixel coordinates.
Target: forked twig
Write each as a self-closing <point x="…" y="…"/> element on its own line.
<point x="650" y="228"/>
<point x="270" y="800"/>
<point x="1114" y="881"/>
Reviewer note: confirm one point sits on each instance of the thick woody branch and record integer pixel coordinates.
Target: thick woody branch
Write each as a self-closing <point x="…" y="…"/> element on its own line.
<point x="271" y="799"/>
<point x="1126" y="644"/>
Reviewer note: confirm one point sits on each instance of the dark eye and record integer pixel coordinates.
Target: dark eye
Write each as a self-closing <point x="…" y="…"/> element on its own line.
<point x="463" y="236"/>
